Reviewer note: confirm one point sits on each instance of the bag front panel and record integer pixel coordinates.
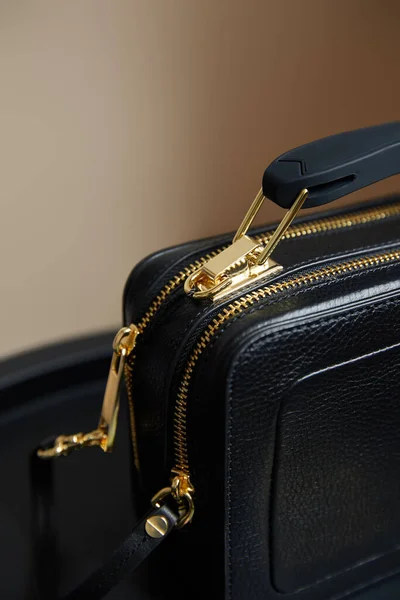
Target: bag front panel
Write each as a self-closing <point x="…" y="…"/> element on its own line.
<point x="313" y="451"/>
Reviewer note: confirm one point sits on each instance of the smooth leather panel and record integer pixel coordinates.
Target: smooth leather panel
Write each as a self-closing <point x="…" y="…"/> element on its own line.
<point x="335" y="491"/>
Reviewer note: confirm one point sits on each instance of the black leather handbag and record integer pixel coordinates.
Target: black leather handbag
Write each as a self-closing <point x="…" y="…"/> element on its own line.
<point x="263" y="383"/>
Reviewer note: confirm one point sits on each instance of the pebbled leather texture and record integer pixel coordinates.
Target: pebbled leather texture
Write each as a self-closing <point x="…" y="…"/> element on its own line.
<point x="328" y="420"/>
<point x="318" y="482"/>
<point x="292" y="426"/>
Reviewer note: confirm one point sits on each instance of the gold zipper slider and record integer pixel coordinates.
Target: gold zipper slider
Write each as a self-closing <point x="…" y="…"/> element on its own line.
<point x="104" y="436"/>
<point x="228" y="268"/>
<point x="243" y="262"/>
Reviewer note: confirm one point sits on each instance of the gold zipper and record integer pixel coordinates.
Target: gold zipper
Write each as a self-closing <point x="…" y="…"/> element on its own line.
<point x="181" y="467"/>
<point x="142" y="325"/>
<point x="181" y="485"/>
<point x="124" y="343"/>
<point x="351" y="219"/>
<point x="344" y="221"/>
<point x="247" y="260"/>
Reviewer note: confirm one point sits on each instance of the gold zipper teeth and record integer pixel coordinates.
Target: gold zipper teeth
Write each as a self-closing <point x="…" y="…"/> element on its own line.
<point x="235" y="308"/>
<point x="171" y="286"/>
<point x="143" y="323"/>
<point x="360" y="217"/>
<point x="128" y="385"/>
<point x="354" y="218"/>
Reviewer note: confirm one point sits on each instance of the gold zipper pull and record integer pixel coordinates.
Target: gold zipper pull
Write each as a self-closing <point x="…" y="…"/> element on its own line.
<point x="123" y="344"/>
<point x="245" y="261"/>
<point x="104" y="436"/>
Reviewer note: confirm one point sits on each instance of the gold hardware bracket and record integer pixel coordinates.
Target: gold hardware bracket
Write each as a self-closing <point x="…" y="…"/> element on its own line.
<point x="124" y="343"/>
<point x="282" y="227"/>
<point x="182" y="492"/>
<point x="245" y="261"/>
<point x="104" y="436"/>
<point x="64" y="444"/>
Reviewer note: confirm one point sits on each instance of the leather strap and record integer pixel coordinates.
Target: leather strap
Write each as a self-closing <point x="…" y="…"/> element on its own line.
<point x="145" y="537"/>
<point x="137" y="546"/>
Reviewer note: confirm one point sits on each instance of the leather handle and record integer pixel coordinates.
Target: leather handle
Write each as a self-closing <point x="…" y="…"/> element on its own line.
<point x="334" y="166"/>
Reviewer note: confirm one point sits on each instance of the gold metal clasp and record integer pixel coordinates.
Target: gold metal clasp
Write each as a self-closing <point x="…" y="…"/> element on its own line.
<point x="104" y="436"/>
<point x="123" y="344"/>
<point x="245" y="261"/>
<point x="182" y="492"/>
<point x="64" y="444"/>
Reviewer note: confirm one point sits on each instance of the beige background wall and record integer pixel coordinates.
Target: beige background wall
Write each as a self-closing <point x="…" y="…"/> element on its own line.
<point x="127" y="125"/>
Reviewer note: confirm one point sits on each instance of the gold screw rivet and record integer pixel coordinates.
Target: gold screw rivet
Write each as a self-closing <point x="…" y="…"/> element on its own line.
<point x="156" y="527"/>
